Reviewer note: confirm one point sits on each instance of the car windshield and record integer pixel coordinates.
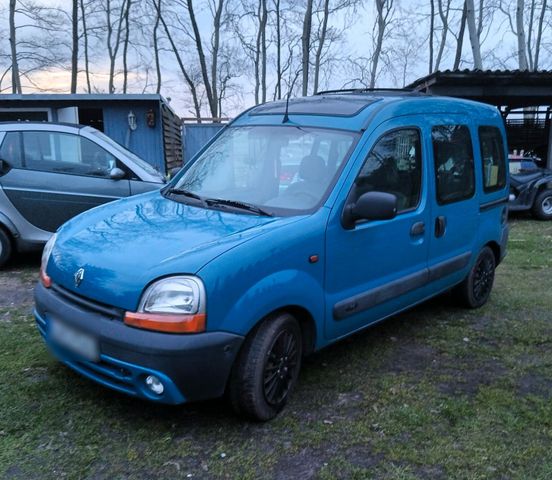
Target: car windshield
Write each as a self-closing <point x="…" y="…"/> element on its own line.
<point x="518" y="166"/>
<point x="128" y="154"/>
<point x="281" y="169"/>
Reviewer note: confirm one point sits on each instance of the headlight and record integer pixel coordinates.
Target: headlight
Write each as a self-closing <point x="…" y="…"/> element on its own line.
<point x="172" y="304"/>
<point x="46" y="280"/>
<point x="173" y="295"/>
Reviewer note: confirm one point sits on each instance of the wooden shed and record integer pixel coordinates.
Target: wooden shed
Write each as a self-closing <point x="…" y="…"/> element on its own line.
<point x="143" y="123"/>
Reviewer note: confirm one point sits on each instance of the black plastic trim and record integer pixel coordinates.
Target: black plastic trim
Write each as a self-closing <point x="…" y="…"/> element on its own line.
<point x="371" y="298"/>
<point x="494" y="203"/>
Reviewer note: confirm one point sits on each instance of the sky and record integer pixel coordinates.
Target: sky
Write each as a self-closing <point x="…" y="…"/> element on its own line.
<point x="498" y="51"/>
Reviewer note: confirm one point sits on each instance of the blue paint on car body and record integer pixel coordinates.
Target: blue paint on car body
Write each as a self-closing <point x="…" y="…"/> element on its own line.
<point x="250" y="250"/>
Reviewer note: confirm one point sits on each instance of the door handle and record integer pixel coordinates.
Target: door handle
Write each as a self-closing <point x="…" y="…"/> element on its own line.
<point x="440" y="226"/>
<point x="417" y="229"/>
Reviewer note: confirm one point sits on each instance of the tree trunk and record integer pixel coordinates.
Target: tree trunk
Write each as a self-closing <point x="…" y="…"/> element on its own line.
<point x="214" y="55"/>
<point x="278" y="91"/>
<point x="474" y="37"/>
<point x="431" y="30"/>
<point x="85" y="38"/>
<point x="460" y="41"/>
<point x="187" y="77"/>
<point x="381" y="23"/>
<point x="443" y="15"/>
<point x="125" y="46"/>
<point x="522" y="56"/>
<point x="156" y="46"/>
<point x="305" y="42"/>
<point x="113" y="49"/>
<point x="75" y="46"/>
<point x="539" y="36"/>
<point x="16" y="81"/>
<point x="264" y="20"/>
<point x="530" y="34"/>
<point x="320" y="47"/>
<point x="204" y="73"/>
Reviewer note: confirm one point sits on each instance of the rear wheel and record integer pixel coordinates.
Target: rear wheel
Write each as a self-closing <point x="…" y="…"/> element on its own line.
<point x="476" y="288"/>
<point x="267" y="368"/>
<point x="542" y="208"/>
<point x="5" y="247"/>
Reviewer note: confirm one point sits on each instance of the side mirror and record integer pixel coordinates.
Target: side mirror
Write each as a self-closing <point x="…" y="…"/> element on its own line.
<point x="116" y="174"/>
<point x="370" y="206"/>
<point x="4" y="166"/>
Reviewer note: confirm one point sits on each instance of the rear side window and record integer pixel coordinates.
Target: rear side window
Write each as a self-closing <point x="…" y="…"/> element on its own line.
<point x="394" y="165"/>
<point x="454" y="169"/>
<point x="493" y="158"/>
<point x="65" y="153"/>
<point x="10" y="151"/>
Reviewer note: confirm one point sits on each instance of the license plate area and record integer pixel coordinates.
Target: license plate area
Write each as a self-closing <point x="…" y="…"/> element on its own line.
<point x="74" y="340"/>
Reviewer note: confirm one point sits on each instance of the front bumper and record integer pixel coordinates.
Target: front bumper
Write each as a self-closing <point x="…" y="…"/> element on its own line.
<point x="190" y="366"/>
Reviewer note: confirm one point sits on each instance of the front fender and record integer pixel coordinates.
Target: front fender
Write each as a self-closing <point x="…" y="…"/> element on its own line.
<point x="279" y="290"/>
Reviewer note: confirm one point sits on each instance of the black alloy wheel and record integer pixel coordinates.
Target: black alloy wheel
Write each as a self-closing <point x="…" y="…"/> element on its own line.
<point x="267" y="368"/>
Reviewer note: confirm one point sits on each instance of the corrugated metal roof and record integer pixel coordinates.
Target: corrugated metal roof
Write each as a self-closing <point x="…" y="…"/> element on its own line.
<point x="541" y="78"/>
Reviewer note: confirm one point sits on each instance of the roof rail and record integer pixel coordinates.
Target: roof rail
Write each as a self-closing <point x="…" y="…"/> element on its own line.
<point x="366" y="90"/>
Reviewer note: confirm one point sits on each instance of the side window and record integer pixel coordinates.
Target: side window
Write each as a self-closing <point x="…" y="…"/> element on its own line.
<point x="454" y="170"/>
<point x="394" y="165"/>
<point x="10" y="151"/>
<point x="65" y="153"/>
<point x="493" y="158"/>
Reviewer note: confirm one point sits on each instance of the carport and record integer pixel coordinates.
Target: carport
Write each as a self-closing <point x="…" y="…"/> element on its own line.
<point x="523" y="97"/>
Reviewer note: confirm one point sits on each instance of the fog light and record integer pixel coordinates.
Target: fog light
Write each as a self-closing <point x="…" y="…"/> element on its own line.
<point x="154" y="384"/>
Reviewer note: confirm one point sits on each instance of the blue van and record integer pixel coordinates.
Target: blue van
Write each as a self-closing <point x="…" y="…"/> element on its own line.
<point x="301" y="223"/>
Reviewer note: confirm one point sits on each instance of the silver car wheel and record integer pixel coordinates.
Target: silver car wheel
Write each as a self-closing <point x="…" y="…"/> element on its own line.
<point x="547" y="205"/>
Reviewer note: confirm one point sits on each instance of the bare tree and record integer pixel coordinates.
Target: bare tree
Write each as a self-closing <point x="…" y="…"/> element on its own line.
<point x="306" y="46"/>
<point x="16" y="80"/>
<point x="539" y="36"/>
<point x="126" y="15"/>
<point x="185" y="73"/>
<point x="444" y="11"/>
<point x="474" y="33"/>
<point x="113" y="38"/>
<point x="460" y="37"/>
<point x="75" y="45"/>
<point x="384" y="15"/>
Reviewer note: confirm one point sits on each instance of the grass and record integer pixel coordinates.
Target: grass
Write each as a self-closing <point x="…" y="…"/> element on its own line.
<point x="437" y="392"/>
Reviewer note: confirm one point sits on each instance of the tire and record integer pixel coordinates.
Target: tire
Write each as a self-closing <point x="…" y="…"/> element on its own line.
<point x="476" y="288"/>
<point x="5" y="247"/>
<point x="542" y="208"/>
<point x="267" y="368"/>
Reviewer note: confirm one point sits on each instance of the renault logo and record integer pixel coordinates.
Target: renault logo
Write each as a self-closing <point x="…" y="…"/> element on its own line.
<point x="79" y="276"/>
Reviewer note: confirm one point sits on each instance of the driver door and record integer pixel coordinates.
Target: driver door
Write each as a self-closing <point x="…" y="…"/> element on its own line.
<point x="379" y="267"/>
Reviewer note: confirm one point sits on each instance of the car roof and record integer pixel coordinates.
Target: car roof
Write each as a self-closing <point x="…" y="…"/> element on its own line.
<point x="37" y="125"/>
<point x="354" y="109"/>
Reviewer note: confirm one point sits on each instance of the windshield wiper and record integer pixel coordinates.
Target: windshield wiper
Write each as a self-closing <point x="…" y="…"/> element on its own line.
<point x="185" y="193"/>
<point x="237" y="204"/>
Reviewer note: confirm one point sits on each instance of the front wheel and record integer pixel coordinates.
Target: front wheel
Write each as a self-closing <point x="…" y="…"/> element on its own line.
<point x="5" y="247"/>
<point x="476" y="288"/>
<point x="267" y="368"/>
<point x="542" y="208"/>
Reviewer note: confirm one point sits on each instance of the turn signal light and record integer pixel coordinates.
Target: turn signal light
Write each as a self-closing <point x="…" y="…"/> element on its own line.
<point x="161" y="322"/>
<point x="45" y="279"/>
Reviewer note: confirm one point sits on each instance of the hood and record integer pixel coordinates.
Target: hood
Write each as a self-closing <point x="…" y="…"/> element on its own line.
<point x="125" y="245"/>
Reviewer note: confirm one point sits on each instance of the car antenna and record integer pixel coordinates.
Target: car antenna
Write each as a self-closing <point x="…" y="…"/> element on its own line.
<point x="286" y="116"/>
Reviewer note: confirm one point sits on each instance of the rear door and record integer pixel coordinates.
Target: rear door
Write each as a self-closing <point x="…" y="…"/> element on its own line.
<point x="455" y="209"/>
<point x="56" y="175"/>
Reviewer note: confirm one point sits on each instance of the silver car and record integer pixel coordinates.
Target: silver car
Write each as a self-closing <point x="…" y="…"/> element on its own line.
<point x="51" y="172"/>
